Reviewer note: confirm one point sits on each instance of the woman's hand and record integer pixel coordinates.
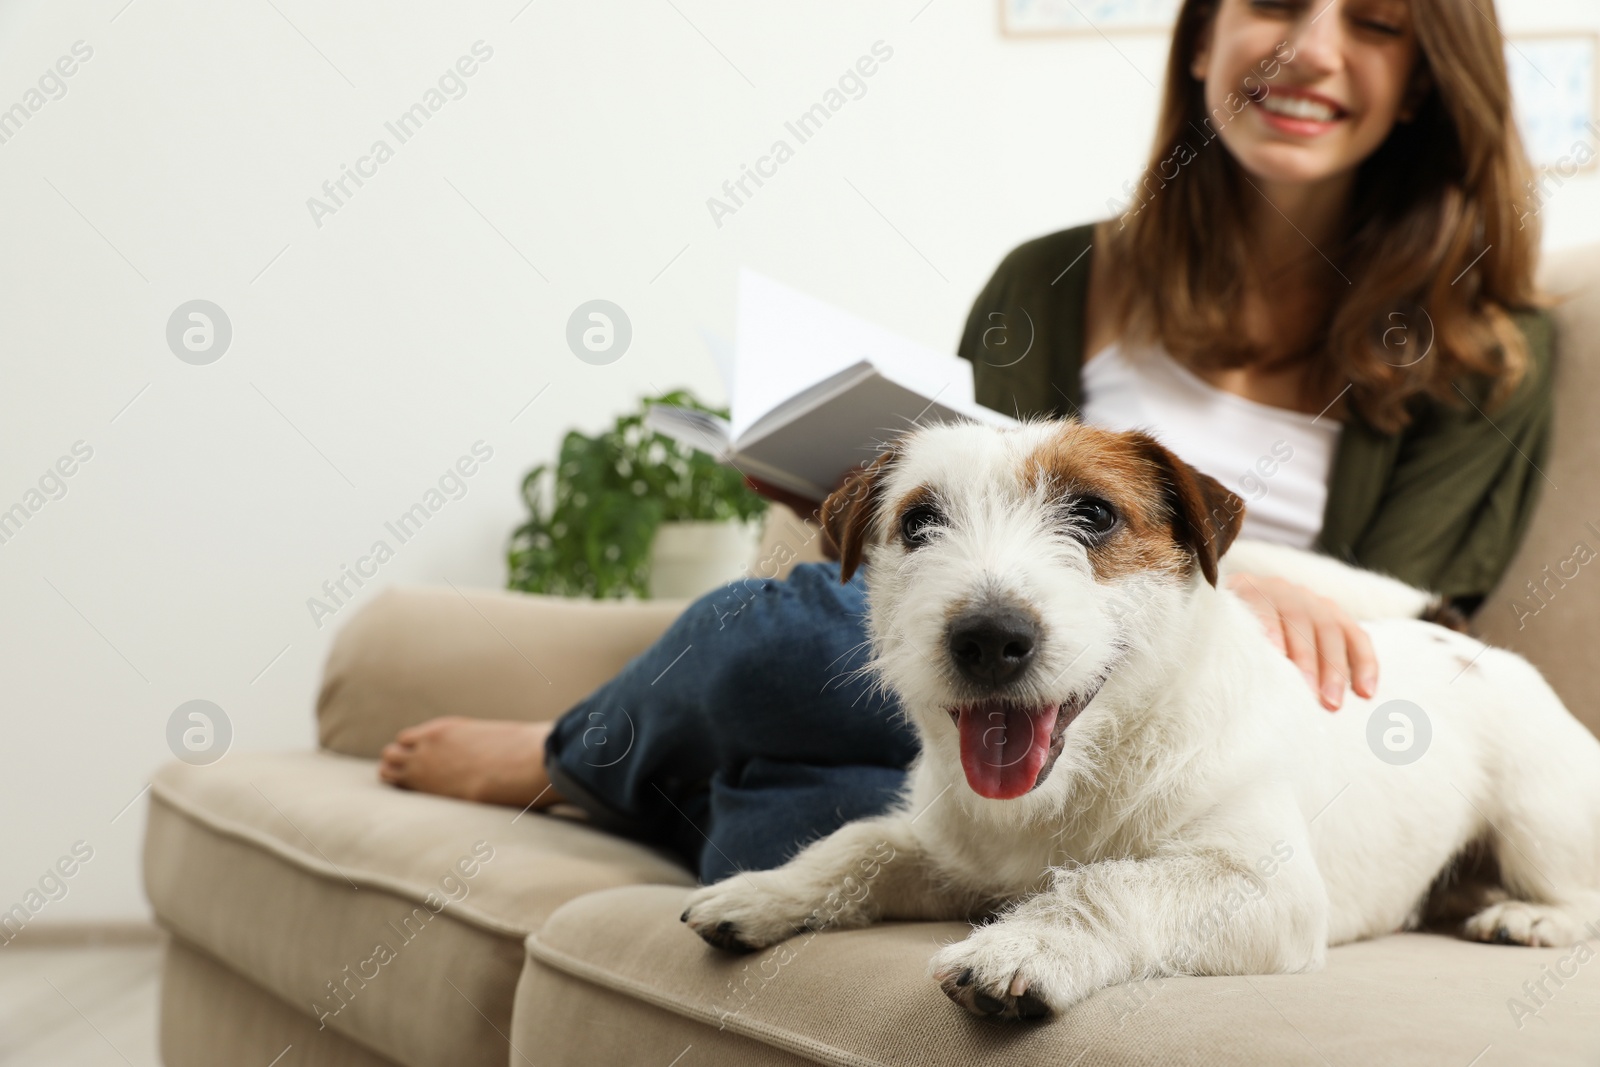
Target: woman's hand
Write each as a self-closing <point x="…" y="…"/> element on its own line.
<point x="1324" y="641"/>
<point x="802" y="506"/>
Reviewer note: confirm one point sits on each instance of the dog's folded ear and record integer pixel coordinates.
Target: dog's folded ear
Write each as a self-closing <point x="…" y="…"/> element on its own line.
<point x="1205" y="515"/>
<point x="847" y="513"/>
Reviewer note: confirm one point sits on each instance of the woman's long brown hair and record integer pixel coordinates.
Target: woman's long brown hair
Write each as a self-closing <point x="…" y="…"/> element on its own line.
<point x="1439" y="247"/>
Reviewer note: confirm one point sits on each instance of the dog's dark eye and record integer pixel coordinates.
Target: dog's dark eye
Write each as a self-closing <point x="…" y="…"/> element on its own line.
<point x="918" y="523"/>
<point x="1093" y="516"/>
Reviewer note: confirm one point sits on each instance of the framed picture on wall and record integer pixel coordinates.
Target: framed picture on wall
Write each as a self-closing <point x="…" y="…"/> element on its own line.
<point x="1034" y="18"/>
<point x="1556" y="96"/>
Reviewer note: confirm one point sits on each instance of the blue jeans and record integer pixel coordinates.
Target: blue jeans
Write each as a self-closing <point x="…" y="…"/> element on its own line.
<point x="744" y="733"/>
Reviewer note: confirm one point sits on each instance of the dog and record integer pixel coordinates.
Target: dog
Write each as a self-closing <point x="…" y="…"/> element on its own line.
<point x="1121" y="777"/>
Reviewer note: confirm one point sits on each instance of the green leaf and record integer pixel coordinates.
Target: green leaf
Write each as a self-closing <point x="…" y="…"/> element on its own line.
<point x="590" y="535"/>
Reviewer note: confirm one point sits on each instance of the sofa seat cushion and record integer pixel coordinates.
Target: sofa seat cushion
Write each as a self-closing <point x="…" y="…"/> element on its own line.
<point x="862" y="997"/>
<point x="396" y="919"/>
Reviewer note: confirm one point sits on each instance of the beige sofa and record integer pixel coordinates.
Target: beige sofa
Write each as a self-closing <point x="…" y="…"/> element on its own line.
<point x="318" y="917"/>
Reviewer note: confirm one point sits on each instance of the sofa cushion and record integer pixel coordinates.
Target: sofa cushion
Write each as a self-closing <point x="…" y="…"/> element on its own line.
<point x="861" y="997"/>
<point x="360" y="904"/>
<point x="1547" y="604"/>
<point x="417" y="653"/>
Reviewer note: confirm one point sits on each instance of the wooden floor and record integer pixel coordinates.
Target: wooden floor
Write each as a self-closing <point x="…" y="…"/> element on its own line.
<point x="79" y="1007"/>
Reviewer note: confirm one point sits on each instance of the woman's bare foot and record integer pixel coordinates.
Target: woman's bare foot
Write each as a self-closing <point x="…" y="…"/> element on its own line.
<point x="490" y="761"/>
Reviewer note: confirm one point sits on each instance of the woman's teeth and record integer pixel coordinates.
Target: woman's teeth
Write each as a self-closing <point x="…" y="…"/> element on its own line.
<point x="1298" y="107"/>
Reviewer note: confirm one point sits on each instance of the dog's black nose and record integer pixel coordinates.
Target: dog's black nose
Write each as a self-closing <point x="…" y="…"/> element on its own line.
<point x="992" y="647"/>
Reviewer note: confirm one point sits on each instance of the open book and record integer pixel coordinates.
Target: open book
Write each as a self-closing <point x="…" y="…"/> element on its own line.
<point x="817" y="392"/>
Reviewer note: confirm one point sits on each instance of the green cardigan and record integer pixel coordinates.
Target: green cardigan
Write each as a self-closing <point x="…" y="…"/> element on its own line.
<point x="1441" y="505"/>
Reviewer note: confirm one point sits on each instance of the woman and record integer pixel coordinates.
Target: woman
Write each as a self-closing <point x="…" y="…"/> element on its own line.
<point x="1321" y="293"/>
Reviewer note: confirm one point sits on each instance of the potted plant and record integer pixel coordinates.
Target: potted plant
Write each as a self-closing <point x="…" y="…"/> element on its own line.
<point x="633" y="513"/>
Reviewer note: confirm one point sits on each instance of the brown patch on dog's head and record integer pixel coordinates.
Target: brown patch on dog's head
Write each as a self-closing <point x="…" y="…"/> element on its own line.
<point x="918" y="497"/>
<point x="1173" y="516"/>
<point x="1205" y="516"/>
<point x="847" y="513"/>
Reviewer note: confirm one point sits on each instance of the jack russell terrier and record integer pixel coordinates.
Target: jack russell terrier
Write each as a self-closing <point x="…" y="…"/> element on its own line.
<point x="1124" y="776"/>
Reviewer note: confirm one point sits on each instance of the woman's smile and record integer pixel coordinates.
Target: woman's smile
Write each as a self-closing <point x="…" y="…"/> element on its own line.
<point x="1327" y="83"/>
<point x="1298" y="112"/>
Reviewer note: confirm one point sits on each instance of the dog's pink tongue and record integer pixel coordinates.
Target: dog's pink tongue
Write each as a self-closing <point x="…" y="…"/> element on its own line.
<point x="1003" y="747"/>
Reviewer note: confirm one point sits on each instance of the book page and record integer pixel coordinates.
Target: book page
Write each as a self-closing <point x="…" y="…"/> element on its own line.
<point x="844" y="427"/>
<point x="789" y="342"/>
<point x="697" y="429"/>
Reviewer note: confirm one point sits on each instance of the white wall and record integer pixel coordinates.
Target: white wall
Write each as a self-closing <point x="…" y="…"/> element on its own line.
<point x="423" y="315"/>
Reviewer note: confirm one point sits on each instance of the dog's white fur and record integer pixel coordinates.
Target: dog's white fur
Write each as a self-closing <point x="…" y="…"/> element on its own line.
<point x="1206" y="815"/>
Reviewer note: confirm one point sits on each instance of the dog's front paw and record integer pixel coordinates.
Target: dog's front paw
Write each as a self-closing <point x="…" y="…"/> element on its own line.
<point x="746" y="912"/>
<point x="1005" y="972"/>
<point x="1518" y="922"/>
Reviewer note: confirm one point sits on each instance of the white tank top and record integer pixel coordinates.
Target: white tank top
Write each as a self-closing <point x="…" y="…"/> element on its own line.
<point x="1277" y="460"/>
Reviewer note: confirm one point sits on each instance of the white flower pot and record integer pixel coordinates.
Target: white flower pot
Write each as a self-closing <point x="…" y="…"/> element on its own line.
<point x="691" y="558"/>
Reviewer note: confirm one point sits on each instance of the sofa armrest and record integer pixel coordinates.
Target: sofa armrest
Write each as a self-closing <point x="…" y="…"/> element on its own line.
<point x="416" y="653"/>
<point x="1546" y="605"/>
